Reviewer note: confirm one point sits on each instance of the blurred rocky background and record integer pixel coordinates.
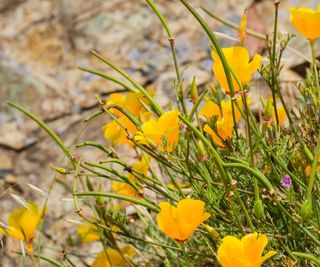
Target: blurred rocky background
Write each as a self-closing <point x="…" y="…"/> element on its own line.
<point x="42" y="44"/>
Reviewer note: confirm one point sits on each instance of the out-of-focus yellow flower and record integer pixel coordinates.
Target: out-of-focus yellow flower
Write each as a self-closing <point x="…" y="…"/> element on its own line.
<point x="122" y="188"/>
<point x="88" y="233"/>
<point x="22" y="224"/>
<point x="281" y="115"/>
<point x="133" y="103"/>
<point x="116" y="134"/>
<point x="306" y="21"/>
<point x="308" y="168"/>
<point x="224" y="129"/>
<point x="246" y="252"/>
<point x="238" y="59"/>
<point x="163" y="133"/>
<point x="270" y="116"/>
<point x="180" y="222"/>
<point x="114" y="258"/>
<point x="224" y="124"/>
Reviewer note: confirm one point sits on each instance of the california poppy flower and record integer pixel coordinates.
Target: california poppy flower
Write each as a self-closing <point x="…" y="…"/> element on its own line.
<point x="237" y="58"/>
<point x="114" y="257"/>
<point x="306" y="21"/>
<point x="162" y="132"/>
<point x="22" y="224"/>
<point x="224" y="123"/>
<point x="180" y="222"/>
<point x="126" y="189"/>
<point x="246" y="252"/>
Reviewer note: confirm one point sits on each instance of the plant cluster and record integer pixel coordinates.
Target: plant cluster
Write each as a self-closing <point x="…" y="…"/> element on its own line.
<point x="213" y="183"/>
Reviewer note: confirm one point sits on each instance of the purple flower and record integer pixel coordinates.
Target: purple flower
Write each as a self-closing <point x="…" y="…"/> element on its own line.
<point x="286" y="181"/>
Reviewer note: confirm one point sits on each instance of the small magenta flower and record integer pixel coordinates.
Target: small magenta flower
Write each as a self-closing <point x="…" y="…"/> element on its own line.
<point x="286" y="181"/>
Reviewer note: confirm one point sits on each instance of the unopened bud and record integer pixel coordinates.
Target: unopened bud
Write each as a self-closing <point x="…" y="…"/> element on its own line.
<point x="60" y="170"/>
<point x="243" y="27"/>
<point x="259" y="209"/>
<point x="306" y="209"/>
<point x="268" y="110"/>
<point x="194" y="91"/>
<point x="202" y="155"/>
<point x="212" y="231"/>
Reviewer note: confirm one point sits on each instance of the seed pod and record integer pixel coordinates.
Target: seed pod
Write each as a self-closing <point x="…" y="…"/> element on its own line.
<point x="258" y="209"/>
<point x="306" y="209"/>
<point x="202" y="155"/>
<point x="194" y="91"/>
<point x="268" y="110"/>
<point x="60" y="170"/>
<point x="212" y="231"/>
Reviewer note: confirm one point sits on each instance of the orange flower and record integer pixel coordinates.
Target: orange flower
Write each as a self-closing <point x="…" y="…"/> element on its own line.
<point x="122" y="188"/>
<point x="306" y="21"/>
<point x="237" y="58"/>
<point x="131" y="102"/>
<point x="163" y="132"/>
<point x="246" y="252"/>
<point x="114" y="257"/>
<point x="116" y="134"/>
<point x="224" y="124"/>
<point x="180" y="222"/>
<point x="23" y="223"/>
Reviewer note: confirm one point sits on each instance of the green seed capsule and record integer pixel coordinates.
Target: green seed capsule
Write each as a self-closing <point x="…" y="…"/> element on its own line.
<point x="306" y="209"/>
<point x="258" y="209"/>
<point x="194" y="91"/>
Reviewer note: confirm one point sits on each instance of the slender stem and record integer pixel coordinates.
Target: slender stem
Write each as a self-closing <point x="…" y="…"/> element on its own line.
<point x="156" y="107"/>
<point x="46" y="128"/>
<point x="315" y="69"/>
<point x="251" y="33"/>
<point x="273" y="61"/>
<point x="307" y="256"/>
<point x="264" y="180"/>
<point x="314" y="169"/>
<point x="117" y="196"/>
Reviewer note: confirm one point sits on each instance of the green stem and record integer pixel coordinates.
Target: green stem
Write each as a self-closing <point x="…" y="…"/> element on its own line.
<point x="251" y="32"/>
<point x="121" y="197"/>
<point x="46" y="128"/>
<point x="264" y="180"/>
<point x="315" y="69"/>
<point x="218" y="161"/>
<point x="273" y="61"/>
<point x="155" y="105"/>
<point x="314" y="169"/>
<point x="307" y="256"/>
<point x="110" y="78"/>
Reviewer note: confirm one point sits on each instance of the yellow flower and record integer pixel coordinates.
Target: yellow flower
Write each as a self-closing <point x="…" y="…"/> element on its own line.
<point x="180" y="222"/>
<point x="116" y="134"/>
<point x="163" y="133"/>
<point x="122" y="188"/>
<point x="88" y="232"/>
<point x="238" y="59"/>
<point x="114" y="257"/>
<point x="224" y="124"/>
<point x="131" y="102"/>
<point x="306" y="21"/>
<point x="23" y="223"/>
<point x="246" y="252"/>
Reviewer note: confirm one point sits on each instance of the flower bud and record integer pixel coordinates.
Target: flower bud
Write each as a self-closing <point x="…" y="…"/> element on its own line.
<point x="60" y="170"/>
<point x="212" y="231"/>
<point x="258" y="209"/>
<point x="268" y="110"/>
<point x="202" y="155"/>
<point x="194" y="91"/>
<point x="243" y="27"/>
<point x="306" y="209"/>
